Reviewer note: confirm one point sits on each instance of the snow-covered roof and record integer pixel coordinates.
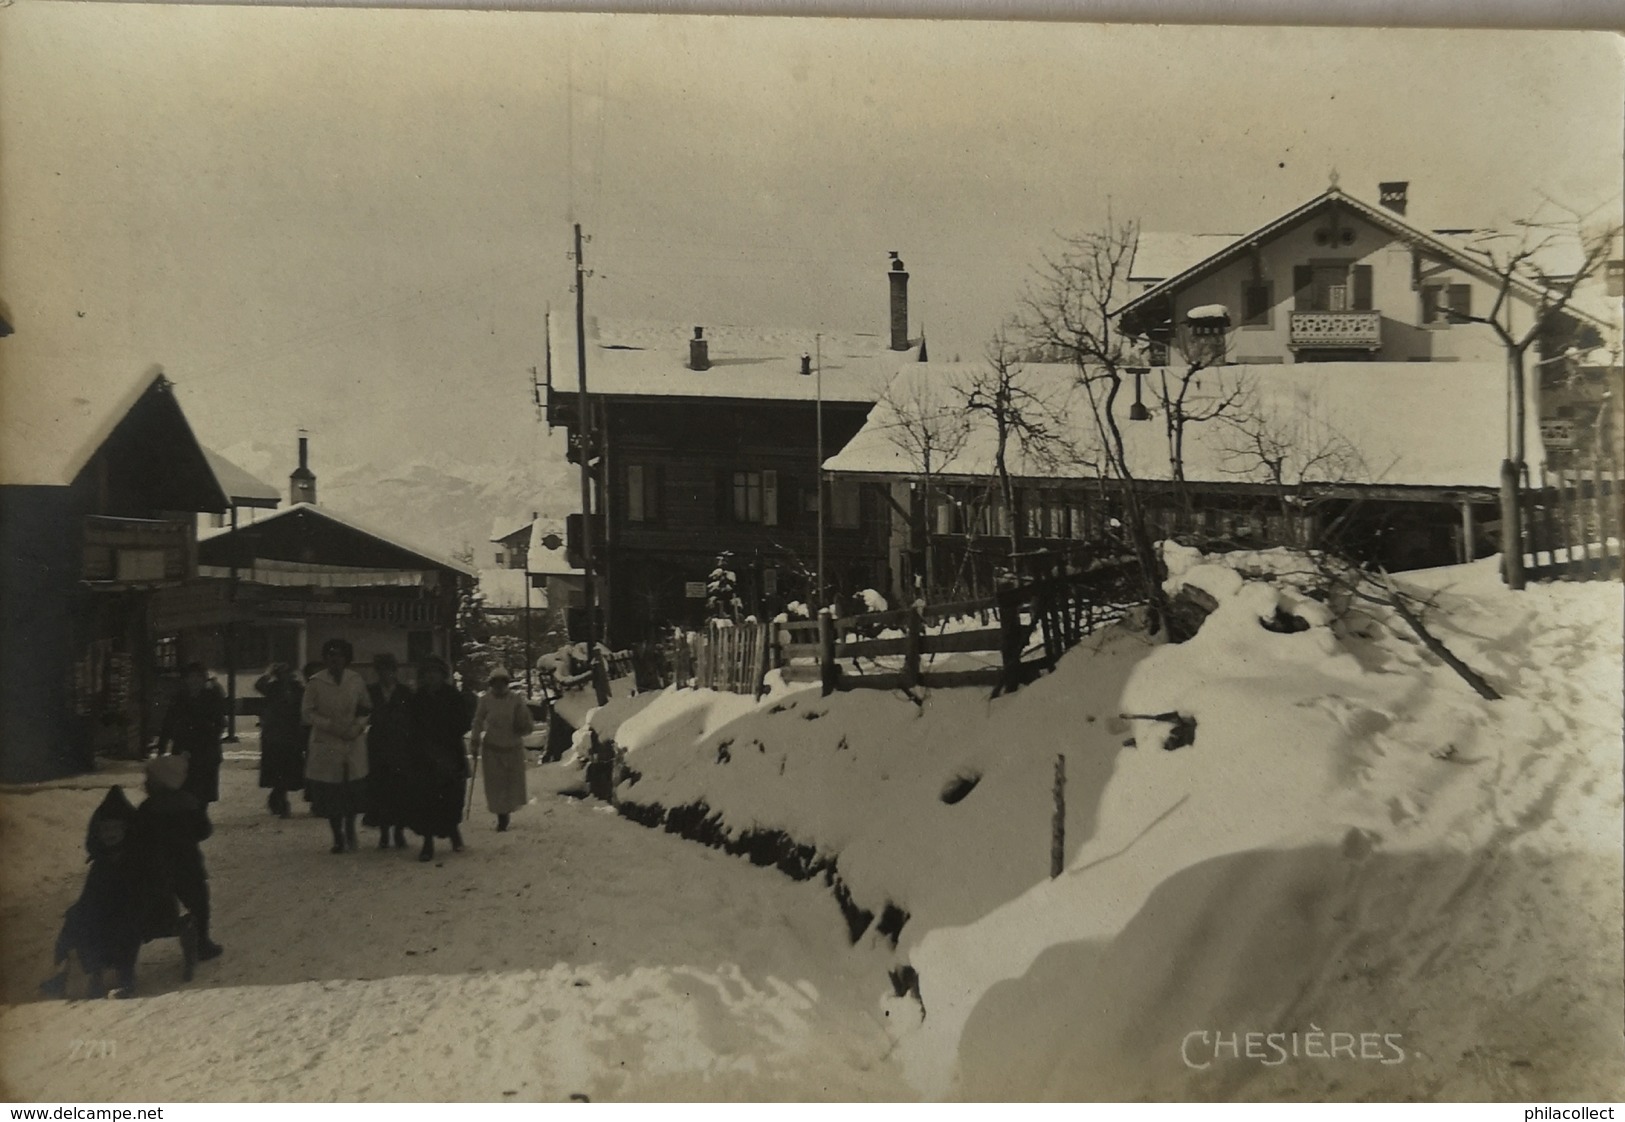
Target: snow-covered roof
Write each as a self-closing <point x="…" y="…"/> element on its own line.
<point x="506" y="526"/>
<point x="51" y="427"/>
<point x="349" y="522"/>
<point x="1448" y="246"/>
<point x="1160" y="254"/>
<point x="240" y="487"/>
<point x="505" y="588"/>
<point x="753" y="363"/>
<point x="1402" y="425"/>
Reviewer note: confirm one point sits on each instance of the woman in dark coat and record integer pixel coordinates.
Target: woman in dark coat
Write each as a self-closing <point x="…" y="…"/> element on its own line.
<point x="388" y="744"/>
<point x="439" y="766"/>
<point x="193" y="726"/>
<point x="282" y="736"/>
<point x="102" y="927"/>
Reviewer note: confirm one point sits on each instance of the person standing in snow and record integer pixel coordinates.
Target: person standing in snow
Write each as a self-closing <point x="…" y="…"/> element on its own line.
<point x="437" y="767"/>
<point x="193" y="725"/>
<point x="335" y="706"/>
<point x="387" y="748"/>
<point x="282" y="736"/>
<point x="502" y="720"/>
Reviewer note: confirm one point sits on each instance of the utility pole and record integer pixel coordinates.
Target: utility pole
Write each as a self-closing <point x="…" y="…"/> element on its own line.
<point x="819" y="368"/>
<point x="585" y="446"/>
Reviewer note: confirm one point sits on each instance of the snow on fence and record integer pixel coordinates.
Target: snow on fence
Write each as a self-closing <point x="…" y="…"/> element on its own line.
<point x="727" y="656"/>
<point x="899" y="649"/>
<point x="1572" y="524"/>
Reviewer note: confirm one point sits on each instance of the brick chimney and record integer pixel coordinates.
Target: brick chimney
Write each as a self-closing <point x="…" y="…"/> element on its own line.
<point x="302" y="481"/>
<point x="898" y="278"/>
<point x="1394" y="196"/>
<point x="699" y="351"/>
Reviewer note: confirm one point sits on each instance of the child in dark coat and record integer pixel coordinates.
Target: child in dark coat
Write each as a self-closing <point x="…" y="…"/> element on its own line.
<point x="168" y="861"/>
<point x="101" y="929"/>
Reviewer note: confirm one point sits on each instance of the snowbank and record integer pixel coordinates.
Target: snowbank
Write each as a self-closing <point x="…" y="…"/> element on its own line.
<point x="1343" y="836"/>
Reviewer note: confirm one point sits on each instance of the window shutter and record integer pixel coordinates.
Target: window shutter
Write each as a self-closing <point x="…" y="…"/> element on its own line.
<point x="1362" y="288"/>
<point x="789" y="497"/>
<point x="636" y="508"/>
<point x="770" y="498"/>
<point x="654" y="489"/>
<point x="725" y="497"/>
<point x="1303" y="285"/>
<point x="1430" y="303"/>
<point x="1461" y="298"/>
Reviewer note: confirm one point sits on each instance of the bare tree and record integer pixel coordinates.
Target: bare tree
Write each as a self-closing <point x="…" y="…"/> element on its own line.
<point x="1291" y="446"/>
<point x="1185" y="401"/>
<point x="925" y="423"/>
<point x="1515" y="262"/>
<point x="1027" y="416"/>
<point x="1069" y="315"/>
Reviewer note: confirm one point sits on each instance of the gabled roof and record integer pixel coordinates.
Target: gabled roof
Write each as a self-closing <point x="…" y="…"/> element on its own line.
<point x="1444" y="247"/>
<point x="307" y="532"/>
<point x="240" y="487"/>
<point x="627" y="359"/>
<point x="1434" y="425"/>
<point x="503" y="528"/>
<point x="1159" y="254"/>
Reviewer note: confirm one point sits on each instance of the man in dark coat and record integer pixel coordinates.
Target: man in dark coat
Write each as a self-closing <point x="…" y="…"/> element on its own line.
<point x="282" y="736"/>
<point x="193" y="726"/>
<point x="388" y="744"/>
<point x="168" y="861"/>
<point x="101" y="927"/>
<point x="439" y="766"/>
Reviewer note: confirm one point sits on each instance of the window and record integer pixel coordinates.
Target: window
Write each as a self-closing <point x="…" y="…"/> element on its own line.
<point x="1332" y="286"/>
<point x="1460" y="297"/>
<point x="845" y="504"/>
<point x="1257" y="298"/>
<point x="756" y="497"/>
<point x="166" y="652"/>
<point x="1615" y="274"/>
<point x="642" y="493"/>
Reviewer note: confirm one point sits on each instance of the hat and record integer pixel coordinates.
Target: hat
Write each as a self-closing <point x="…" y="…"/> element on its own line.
<point x="339" y="646"/>
<point x="168" y="771"/>
<point x="500" y="672"/>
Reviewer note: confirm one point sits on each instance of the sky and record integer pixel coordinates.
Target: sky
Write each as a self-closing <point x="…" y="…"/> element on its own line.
<point x="356" y="220"/>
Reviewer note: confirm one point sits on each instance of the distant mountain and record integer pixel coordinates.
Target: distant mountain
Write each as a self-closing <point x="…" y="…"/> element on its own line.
<point x="441" y="503"/>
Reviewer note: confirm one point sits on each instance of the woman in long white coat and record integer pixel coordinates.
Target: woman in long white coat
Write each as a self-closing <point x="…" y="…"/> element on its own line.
<point x="502" y="720"/>
<point x="335" y="706"/>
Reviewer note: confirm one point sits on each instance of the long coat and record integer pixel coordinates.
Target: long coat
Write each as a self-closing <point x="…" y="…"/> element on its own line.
<point x="388" y="746"/>
<point x="438" y="765"/>
<point x="103" y="925"/>
<point x="282" y="736"/>
<point x="193" y="726"/>
<point x="500" y="727"/>
<point x="167" y="861"/>
<point x="336" y="713"/>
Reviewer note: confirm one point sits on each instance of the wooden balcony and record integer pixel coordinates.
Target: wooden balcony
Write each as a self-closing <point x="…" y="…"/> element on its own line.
<point x="1353" y="330"/>
<point x="130" y="552"/>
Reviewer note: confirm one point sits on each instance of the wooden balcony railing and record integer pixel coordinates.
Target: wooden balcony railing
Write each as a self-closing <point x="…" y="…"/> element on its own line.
<point x="1362" y="330"/>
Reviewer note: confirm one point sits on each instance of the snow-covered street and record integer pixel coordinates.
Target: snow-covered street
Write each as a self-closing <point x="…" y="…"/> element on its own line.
<point x="577" y="954"/>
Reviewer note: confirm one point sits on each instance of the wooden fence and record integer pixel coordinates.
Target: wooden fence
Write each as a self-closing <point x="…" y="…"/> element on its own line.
<point x="850" y="652"/>
<point x="1572" y="524"/>
<point x="728" y="656"/>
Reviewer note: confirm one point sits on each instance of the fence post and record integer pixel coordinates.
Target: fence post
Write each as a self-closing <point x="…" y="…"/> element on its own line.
<point x="1057" y="844"/>
<point x="827" y="670"/>
<point x="915" y="643"/>
<point x="1009" y="604"/>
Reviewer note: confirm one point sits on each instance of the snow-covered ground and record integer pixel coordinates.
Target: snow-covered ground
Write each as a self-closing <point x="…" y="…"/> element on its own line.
<point x="1359" y="880"/>
<point x="576" y="954"/>
<point x="1355" y="844"/>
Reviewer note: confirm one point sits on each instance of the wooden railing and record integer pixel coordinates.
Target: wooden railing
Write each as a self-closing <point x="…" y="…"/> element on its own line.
<point x="851" y="652"/>
<point x="1335" y="329"/>
<point x="727" y="656"/>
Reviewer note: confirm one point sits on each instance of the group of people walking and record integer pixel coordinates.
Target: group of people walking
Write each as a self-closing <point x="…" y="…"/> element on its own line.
<point x="388" y="754"/>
